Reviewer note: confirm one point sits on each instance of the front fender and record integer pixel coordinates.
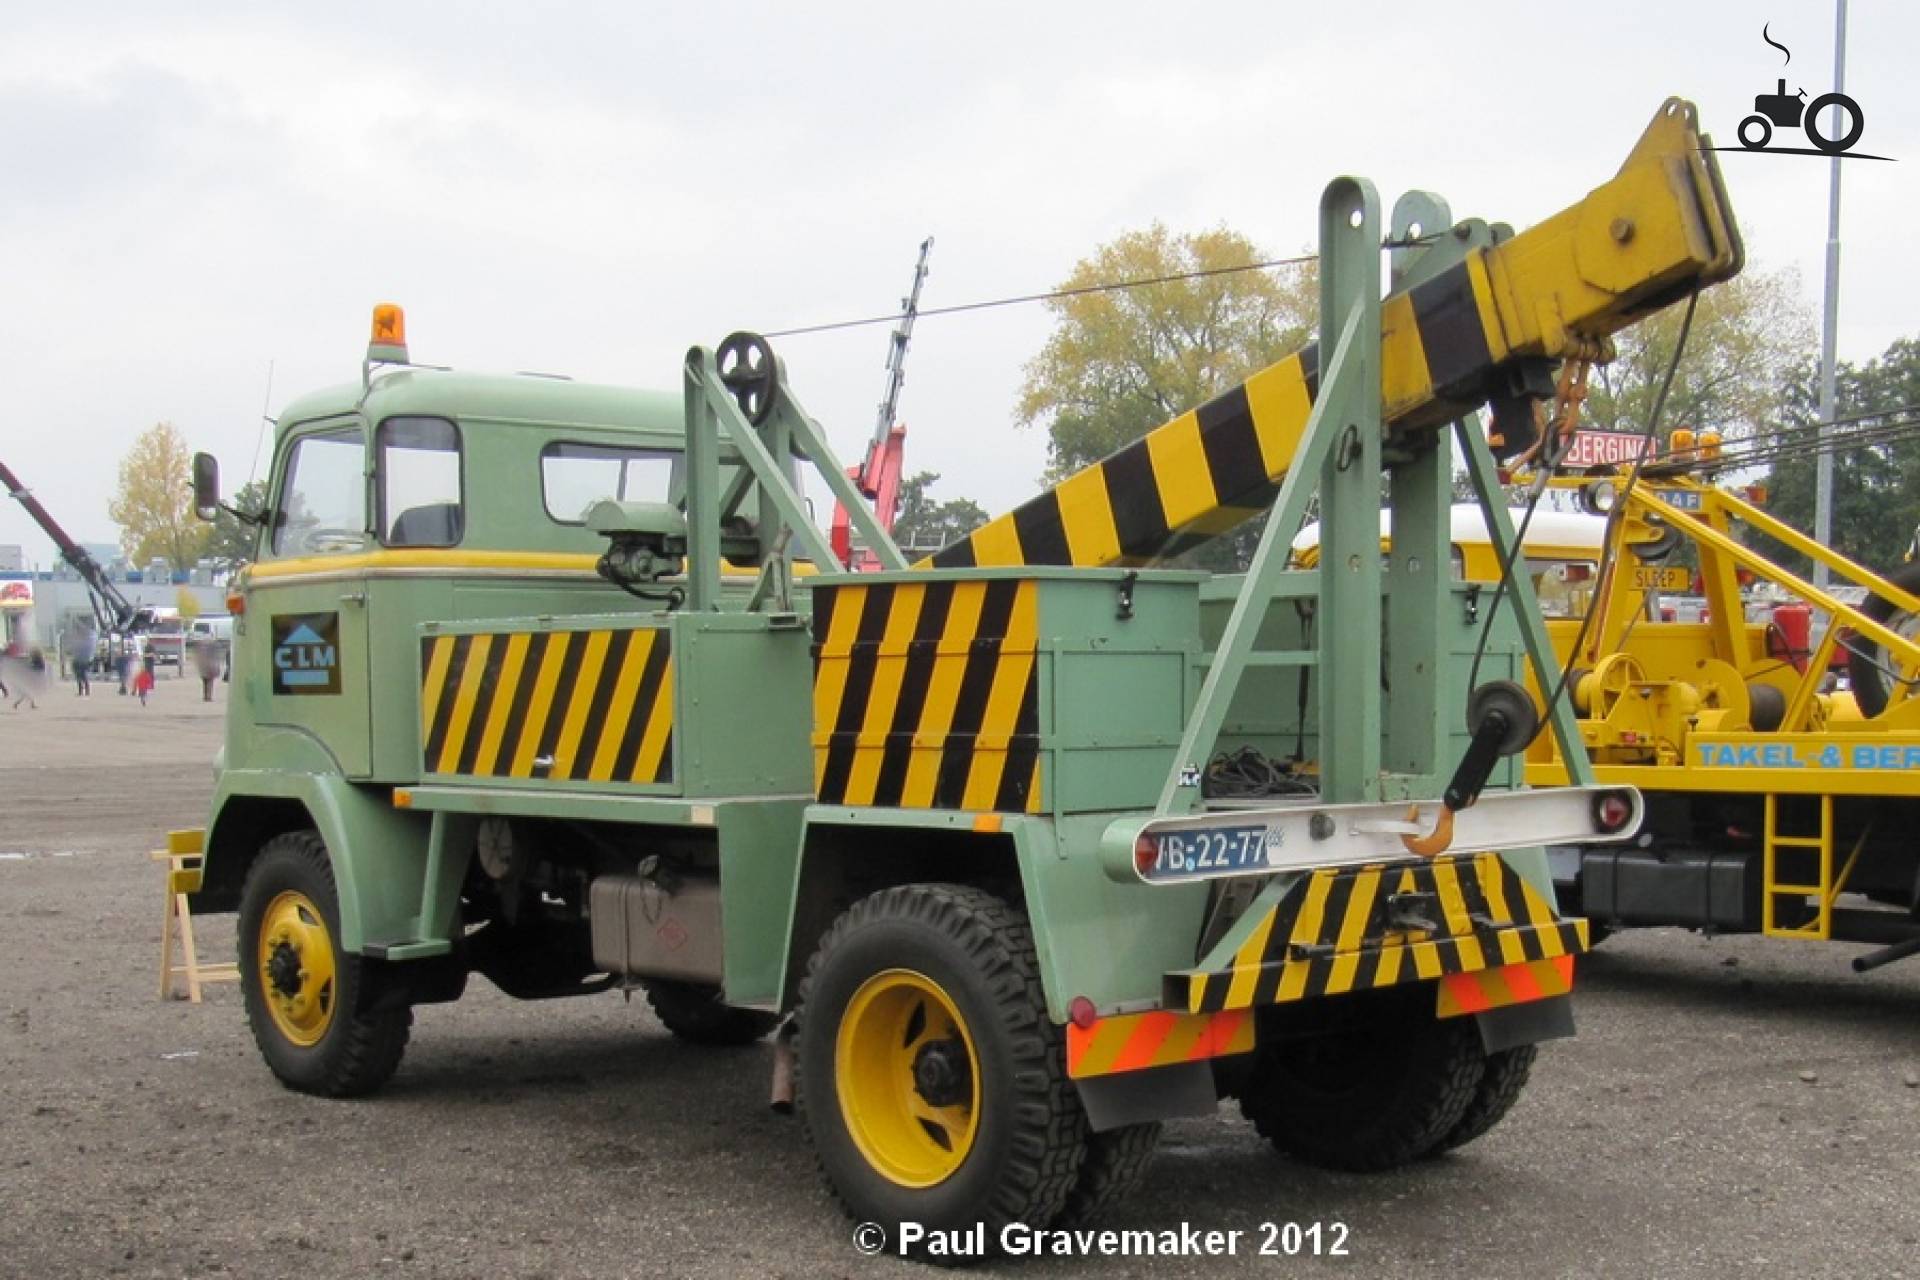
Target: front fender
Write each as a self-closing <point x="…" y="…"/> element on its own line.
<point x="378" y="852"/>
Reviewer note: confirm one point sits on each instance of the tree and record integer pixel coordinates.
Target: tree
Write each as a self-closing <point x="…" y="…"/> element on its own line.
<point x="154" y="503"/>
<point x="1122" y="361"/>
<point x="1876" y="487"/>
<point x="1748" y="335"/>
<point x="925" y="526"/>
<point x="232" y="542"/>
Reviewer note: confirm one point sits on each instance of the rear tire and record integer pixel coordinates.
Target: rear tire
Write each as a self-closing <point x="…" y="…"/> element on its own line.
<point x="932" y="1083"/>
<point x="1116" y="1165"/>
<point x="1372" y="1084"/>
<point x="303" y="991"/>
<point x="697" y="1015"/>
<point x="1501" y="1086"/>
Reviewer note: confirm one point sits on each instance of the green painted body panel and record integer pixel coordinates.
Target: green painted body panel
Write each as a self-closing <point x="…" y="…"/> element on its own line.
<point x="380" y="882"/>
<point x="1114" y="683"/>
<point x="1096" y="938"/>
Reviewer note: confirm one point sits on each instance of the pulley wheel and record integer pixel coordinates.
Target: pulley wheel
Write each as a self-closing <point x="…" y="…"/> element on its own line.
<point x="747" y="370"/>
<point x="1513" y="703"/>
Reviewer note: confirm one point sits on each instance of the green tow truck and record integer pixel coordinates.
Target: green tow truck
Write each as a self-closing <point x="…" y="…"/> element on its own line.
<point x="1018" y="852"/>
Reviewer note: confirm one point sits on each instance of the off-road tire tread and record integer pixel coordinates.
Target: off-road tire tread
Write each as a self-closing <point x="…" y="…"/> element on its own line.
<point x="698" y="1016"/>
<point x="1870" y="685"/>
<point x="1116" y="1165"/>
<point x="1414" y="1127"/>
<point x="1502" y="1083"/>
<point x="365" y="1048"/>
<point x="1051" y="1148"/>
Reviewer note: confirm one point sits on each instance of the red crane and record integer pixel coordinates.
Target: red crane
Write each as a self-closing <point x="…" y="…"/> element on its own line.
<point x="878" y="476"/>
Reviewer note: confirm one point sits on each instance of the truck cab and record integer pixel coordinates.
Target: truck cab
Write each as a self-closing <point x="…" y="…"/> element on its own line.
<point x="426" y="496"/>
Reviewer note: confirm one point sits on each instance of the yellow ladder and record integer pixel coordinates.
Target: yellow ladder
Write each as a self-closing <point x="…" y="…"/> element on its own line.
<point x="1820" y="927"/>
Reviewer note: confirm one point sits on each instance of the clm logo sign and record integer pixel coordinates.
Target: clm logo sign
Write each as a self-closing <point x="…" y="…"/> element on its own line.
<point x="306" y="653"/>
<point x="1833" y="122"/>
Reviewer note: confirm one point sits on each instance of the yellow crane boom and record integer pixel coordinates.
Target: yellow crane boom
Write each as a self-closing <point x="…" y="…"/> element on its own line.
<point x="1660" y="230"/>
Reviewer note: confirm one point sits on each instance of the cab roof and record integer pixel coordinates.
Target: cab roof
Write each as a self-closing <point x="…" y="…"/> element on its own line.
<point x="523" y="399"/>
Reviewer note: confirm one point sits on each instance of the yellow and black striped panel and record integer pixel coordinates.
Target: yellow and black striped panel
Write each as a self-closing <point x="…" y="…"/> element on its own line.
<point x="926" y="695"/>
<point x="593" y="706"/>
<point x="1330" y="934"/>
<point x="1444" y="343"/>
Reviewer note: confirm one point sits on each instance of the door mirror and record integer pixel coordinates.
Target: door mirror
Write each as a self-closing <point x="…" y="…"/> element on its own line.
<point x="206" y="486"/>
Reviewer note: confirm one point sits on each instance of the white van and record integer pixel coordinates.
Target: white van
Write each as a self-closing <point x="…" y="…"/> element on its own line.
<point x="216" y="627"/>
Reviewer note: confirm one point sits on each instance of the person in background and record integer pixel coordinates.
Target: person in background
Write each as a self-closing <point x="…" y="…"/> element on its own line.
<point x="136" y="659"/>
<point x="143" y="679"/>
<point x="82" y="643"/>
<point x="206" y="661"/>
<point x="26" y="670"/>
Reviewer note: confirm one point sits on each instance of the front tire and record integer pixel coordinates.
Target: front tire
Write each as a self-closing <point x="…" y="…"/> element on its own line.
<point x="303" y="991"/>
<point x="1756" y="138"/>
<point x="933" y="1085"/>
<point x="1367" y="1082"/>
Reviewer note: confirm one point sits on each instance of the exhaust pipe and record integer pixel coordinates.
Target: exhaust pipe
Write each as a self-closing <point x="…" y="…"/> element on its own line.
<point x="782" y="1100"/>
<point x="1886" y="955"/>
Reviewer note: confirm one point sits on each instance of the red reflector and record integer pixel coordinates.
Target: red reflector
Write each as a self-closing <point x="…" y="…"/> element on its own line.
<point x="1145" y="853"/>
<point x="236" y="603"/>
<point x="1081" y="1013"/>
<point x="1612" y="811"/>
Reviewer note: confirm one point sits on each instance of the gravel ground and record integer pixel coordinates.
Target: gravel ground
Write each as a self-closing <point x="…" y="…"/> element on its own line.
<point x="1730" y="1105"/>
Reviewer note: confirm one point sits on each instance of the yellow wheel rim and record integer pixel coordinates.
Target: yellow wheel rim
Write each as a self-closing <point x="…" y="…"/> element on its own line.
<point x="908" y="1078"/>
<point x="297" y="971"/>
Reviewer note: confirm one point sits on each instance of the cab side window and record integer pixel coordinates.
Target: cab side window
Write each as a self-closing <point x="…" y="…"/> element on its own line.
<point x="419" y="489"/>
<point x="575" y="476"/>
<point x="323" y="497"/>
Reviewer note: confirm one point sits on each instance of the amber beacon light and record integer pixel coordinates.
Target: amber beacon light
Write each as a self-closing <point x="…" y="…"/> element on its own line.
<point x="388" y="341"/>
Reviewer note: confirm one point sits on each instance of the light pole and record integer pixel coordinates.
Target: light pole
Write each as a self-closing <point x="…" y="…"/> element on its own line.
<point x="1823" y="460"/>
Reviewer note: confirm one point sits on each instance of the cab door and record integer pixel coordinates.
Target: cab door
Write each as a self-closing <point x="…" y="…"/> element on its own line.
<point x="306" y="657"/>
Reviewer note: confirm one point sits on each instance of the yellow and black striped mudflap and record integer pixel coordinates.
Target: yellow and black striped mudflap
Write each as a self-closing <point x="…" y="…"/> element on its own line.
<point x="593" y="706"/>
<point x="926" y="694"/>
<point x="1343" y="930"/>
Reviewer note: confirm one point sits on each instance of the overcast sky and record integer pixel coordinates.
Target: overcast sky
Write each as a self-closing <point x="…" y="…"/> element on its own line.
<point x="590" y="189"/>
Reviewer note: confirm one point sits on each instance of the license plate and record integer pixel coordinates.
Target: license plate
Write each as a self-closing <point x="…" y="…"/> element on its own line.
<point x="1212" y="851"/>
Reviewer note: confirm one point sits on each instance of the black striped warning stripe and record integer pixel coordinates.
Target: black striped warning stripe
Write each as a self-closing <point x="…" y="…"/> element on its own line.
<point x="926" y="694"/>
<point x="1331" y="934"/>
<point x="586" y="705"/>
<point x="1208" y="470"/>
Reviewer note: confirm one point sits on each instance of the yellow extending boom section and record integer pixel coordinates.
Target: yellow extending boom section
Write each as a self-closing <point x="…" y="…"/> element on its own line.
<point x="1660" y="230"/>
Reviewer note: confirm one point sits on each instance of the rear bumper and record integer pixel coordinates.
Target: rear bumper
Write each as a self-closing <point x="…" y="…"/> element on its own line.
<point x="1496" y="943"/>
<point x="1339" y="931"/>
